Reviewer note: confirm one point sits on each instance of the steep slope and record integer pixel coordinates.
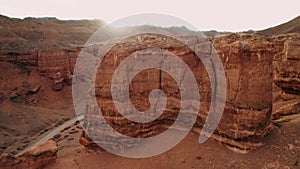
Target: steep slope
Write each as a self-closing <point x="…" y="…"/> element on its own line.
<point x="292" y="26"/>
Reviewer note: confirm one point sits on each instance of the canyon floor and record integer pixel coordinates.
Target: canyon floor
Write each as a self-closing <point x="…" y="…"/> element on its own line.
<point x="281" y="150"/>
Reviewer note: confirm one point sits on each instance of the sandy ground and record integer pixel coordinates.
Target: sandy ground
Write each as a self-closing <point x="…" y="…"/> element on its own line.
<point x="281" y="150"/>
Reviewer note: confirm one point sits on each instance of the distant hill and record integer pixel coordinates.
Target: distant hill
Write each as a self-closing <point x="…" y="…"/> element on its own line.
<point x="28" y="33"/>
<point x="49" y="32"/>
<point x="292" y="26"/>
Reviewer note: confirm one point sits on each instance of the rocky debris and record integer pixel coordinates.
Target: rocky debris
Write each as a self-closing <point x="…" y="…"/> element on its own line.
<point x="24" y="92"/>
<point x="60" y="79"/>
<point x="289" y="109"/>
<point x="70" y="138"/>
<point x="13" y="95"/>
<point x="285" y="96"/>
<point x="68" y="77"/>
<point x="34" y="87"/>
<point x="28" y="88"/>
<point x="21" y="148"/>
<point x="57" y="82"/>
<point x="56" y="136"/>
<point x="2" y="97"/>
<point x="36" y="157"/>
<point x="272" y="165"/>
<point x="87" y="142"/>
<point x="73" y="132"/>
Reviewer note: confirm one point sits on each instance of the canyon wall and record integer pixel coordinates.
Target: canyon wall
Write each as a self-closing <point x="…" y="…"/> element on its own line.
<point x="47" y="61"/>
<point x="287" y="66"/>
<point x="56" y="64"/>
<point x="287" y="76"/>
<point x="247" y="60"/>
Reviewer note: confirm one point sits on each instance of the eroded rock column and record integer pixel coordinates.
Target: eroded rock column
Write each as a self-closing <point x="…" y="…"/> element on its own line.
<point x="248" y="65"/>
<point x="247" y="61"/>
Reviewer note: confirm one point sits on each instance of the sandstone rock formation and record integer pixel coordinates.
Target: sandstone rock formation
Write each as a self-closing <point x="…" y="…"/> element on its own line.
<point x="287" y="64"/>
<point x="34" y="158"/>
<point x="48" y="43"/>
<point x="49" y="63"/>
<point x="247" y="61"/>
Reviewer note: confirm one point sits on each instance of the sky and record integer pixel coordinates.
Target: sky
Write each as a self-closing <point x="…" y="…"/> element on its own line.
<point x="222" y="15"/>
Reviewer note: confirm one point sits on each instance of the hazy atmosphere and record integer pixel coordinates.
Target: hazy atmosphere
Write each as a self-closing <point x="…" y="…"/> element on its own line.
<point x="229" y="15"/>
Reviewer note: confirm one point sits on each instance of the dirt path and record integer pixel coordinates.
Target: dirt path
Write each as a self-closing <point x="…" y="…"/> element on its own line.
<point x="51" y="133"/>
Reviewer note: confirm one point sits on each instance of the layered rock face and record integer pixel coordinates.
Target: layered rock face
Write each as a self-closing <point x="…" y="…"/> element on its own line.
<point x="29" y="57"/>
<point x="247" y="60"/>
<point x="287" y="65"/>
<point x="56" y="64"/>
<point x="36" y="157"/>
<point x="49" y="62"/>
<point x="48" y="43"/>
<point x="286" y="75"/>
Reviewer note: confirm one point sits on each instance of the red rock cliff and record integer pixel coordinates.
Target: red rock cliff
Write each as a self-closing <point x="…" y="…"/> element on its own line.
<point x="247" y="61"/>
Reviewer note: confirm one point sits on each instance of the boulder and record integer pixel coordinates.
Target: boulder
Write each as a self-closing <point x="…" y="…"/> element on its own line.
<point x="57" y="82"/>
<point x="36" y="157"/>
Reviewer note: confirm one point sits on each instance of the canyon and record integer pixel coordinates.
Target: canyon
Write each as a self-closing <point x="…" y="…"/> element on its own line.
<point x="262" y="76"/>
